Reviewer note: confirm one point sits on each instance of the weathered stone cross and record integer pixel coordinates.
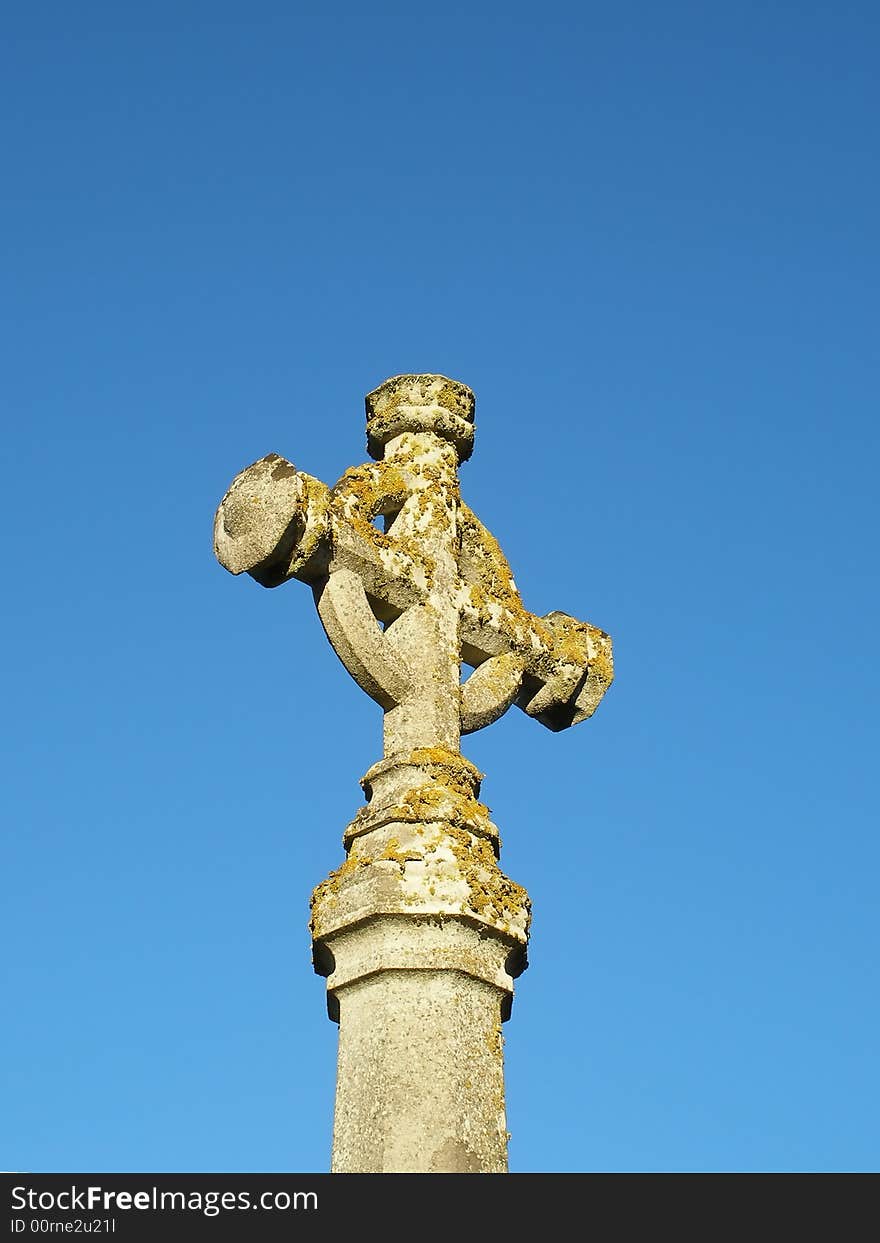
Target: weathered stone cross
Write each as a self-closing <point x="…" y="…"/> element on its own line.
<point x="419" y="931"/>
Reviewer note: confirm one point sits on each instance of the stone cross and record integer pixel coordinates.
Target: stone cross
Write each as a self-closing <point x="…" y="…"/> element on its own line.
<point x="419" y="931"/>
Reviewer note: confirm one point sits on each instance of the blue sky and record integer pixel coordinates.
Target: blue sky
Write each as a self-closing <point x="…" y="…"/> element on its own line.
<point x="646" y="236"/>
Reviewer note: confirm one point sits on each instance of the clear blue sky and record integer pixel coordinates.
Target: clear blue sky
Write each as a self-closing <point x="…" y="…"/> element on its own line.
<point x="646" y="236"/>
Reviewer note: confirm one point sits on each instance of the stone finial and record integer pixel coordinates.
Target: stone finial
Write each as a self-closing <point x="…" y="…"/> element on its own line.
<point x="421" y="403"/>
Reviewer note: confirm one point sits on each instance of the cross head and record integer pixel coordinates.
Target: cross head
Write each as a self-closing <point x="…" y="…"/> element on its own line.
<point x="407" y="605"/>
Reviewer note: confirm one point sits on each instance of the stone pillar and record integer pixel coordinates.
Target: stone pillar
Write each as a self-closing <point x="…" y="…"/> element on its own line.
<point x="420" y="935"/>
<point x="419" y="931"/>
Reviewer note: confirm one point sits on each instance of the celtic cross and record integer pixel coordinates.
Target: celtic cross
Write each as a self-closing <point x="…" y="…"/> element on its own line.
<point x="404" y="608"/>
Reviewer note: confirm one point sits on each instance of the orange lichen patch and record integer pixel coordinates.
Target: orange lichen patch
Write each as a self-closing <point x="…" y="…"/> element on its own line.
<point x="329" y="888"/>
<point x="602" y="665"/>
<point x="492" y="895"/>
<point x="438" y="803"/>
<point x="435" y="755"/>
<point x="579" y="643"/>
<point x="449" y="767"/>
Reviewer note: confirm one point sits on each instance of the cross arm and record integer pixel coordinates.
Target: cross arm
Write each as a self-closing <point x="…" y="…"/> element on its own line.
<point x="276" y="523"/>
<point x="555" y="667"/>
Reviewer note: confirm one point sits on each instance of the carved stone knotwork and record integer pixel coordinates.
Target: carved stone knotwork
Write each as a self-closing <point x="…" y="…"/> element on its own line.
<point x="435" y="556"/>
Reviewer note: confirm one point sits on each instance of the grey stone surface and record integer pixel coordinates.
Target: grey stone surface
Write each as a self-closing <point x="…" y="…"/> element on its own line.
<point x="420" y="1077"/>
<point x="419" y="931"/>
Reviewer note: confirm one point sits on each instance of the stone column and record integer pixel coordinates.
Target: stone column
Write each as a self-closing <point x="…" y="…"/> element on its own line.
<point x="419" y="932"/>
<point x="420" y="935"/>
